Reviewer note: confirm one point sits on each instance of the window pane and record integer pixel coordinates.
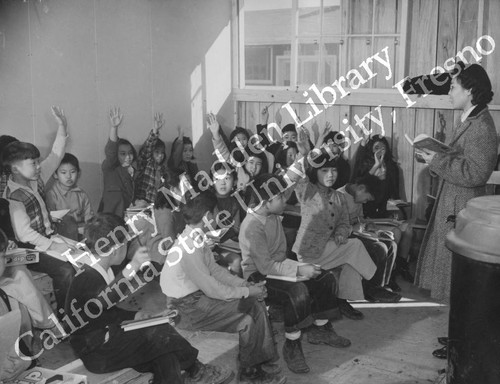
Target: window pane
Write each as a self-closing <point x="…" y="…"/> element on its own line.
<point x="308" y="63"/>
<point x="332" y="17"/>
<point x="358" y="50"/>
<point x="330" y="61"/>
<point x="380" y="81"/>
<point x="267" y="26"/>
<point x="387" y="14"/>
<point x="309" y="23"/>
<point x="360" y="16"/>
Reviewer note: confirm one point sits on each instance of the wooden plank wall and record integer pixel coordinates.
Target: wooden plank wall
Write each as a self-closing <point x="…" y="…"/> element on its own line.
<point x="438" y="30"/>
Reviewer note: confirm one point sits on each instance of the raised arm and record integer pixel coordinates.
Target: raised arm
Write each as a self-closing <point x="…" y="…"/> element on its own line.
<point x="51" y="162"/>
<point x="220" y="147"/>
<point x="146" y="152"/>
<point x="111" y="148"/>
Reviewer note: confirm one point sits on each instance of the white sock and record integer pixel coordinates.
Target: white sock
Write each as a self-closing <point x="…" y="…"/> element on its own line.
<point x="292" y="336"/>
<point x="319" y="323"/>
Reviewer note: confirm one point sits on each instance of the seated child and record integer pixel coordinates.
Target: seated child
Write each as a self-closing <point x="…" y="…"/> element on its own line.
<point x="288" y="133"/>
<point x="158" y="229"/>
<point x="98" y="339"/>
<point x="223" y="179"/>
<point x="30" y="218"/>
<point x="248" y="164"/>
<point x="382" y="250"/>
<point x="18" y="292"/>
<point x="118" y="171"/>
<point x="65" y="194"/>
<point x="210" y="298"/>
<point x="285" y="157"/>
<point x="334" y="140"/>
<point x="311" y="302"/>
<point x="150" y="165"/>
<point x="182" y="157"/>
<point x="324" y="230"/>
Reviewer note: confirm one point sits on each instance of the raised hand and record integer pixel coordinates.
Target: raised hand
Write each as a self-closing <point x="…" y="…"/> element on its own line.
<point x="278" y="117"/>
<point x="212" y="124"/>
<point x="58" y="114"/>
<point x="158" y="122"/>
<point x="180" y="132"/>
<point x="264" y="115"/>
<point x="115" y="117"/>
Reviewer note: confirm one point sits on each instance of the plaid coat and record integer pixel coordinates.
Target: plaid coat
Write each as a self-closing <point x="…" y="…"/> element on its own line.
<point x="149" y="173"/>
<point x="462" y="173"/>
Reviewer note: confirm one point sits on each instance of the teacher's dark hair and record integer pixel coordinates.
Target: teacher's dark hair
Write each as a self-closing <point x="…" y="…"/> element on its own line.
<point x="475" y="78"/>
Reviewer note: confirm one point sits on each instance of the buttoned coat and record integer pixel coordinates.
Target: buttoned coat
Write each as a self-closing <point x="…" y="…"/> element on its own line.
<point x="324" y="215"/>
<point x="463" y="172"/>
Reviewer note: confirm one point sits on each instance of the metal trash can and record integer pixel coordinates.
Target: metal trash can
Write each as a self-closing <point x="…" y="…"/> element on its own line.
<point x="474" y="325"/>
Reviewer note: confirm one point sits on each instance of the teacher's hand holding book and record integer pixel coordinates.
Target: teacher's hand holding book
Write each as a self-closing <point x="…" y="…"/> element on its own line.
<point x="425" y="154"/>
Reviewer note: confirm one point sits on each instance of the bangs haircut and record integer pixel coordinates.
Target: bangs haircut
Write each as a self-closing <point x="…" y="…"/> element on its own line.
<point x="195" y="208"/>
<point x="18" y="151"/>
<point x="159" y="145"/>
<point x="289" y="128"/>
<point x="126" y="142"/>
<point x="70" y="159"/>
<point x="238" y="130"/>
<point x="282" y="153"/>
<point x="312" y="173"/>
<point x="108" y="227"/>
<point x="265" y="187"/>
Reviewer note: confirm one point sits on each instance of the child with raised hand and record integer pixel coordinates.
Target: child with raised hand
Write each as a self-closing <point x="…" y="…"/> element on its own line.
<point x="248" y="164"/>
<point x="182" y="156"/>
<point x="118" y="171"/>
<point x="210" y="298"/>
<point x="30" y="218"/>
<point x="150" y="165"/>
<point x="324" y="230"/>
<point x="100" y="342"/>
<point x="307" y="304"/>
<point x="66" y="194"/>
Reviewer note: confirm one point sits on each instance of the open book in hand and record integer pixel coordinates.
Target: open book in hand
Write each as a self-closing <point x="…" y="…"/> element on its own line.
<point x="130" y="325"/>
<point x="424" y="142"/>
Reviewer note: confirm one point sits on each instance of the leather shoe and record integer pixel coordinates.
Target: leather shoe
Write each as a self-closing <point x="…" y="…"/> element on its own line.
<point x="381" y="295"/>
<point x="441" y="353"/>
<point x="443" y="341"/>
<point x="348" y="311"/>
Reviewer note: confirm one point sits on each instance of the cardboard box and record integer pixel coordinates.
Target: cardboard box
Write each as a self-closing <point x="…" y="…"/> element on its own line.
<point x="48" y="376"/>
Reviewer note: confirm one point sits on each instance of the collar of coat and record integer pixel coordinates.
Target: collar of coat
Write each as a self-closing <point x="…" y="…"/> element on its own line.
<point x="480" y="110"/>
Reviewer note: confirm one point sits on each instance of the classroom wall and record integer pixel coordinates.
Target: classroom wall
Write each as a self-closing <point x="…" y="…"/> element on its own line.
<point x="86" y="56"/>
<point x="437" y="30"/>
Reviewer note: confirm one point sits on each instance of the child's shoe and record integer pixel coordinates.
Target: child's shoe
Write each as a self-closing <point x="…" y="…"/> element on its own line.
<point x="209" y="374"/>
<point x="325" y="334"/>
<point x="256" y="375"/>
<point x="294" y="356"/>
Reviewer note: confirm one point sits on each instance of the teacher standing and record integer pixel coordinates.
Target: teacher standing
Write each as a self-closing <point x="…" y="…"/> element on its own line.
<point x="462" y="171"/>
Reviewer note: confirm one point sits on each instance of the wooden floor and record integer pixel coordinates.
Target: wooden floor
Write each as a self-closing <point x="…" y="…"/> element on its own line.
<point x="392" y="345"/>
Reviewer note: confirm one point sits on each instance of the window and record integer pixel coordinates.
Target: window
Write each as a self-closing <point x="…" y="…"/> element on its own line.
<point x="295" y="43"/>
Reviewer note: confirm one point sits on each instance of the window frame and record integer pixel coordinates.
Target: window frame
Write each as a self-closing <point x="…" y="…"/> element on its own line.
<point x="239" y="64"/>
